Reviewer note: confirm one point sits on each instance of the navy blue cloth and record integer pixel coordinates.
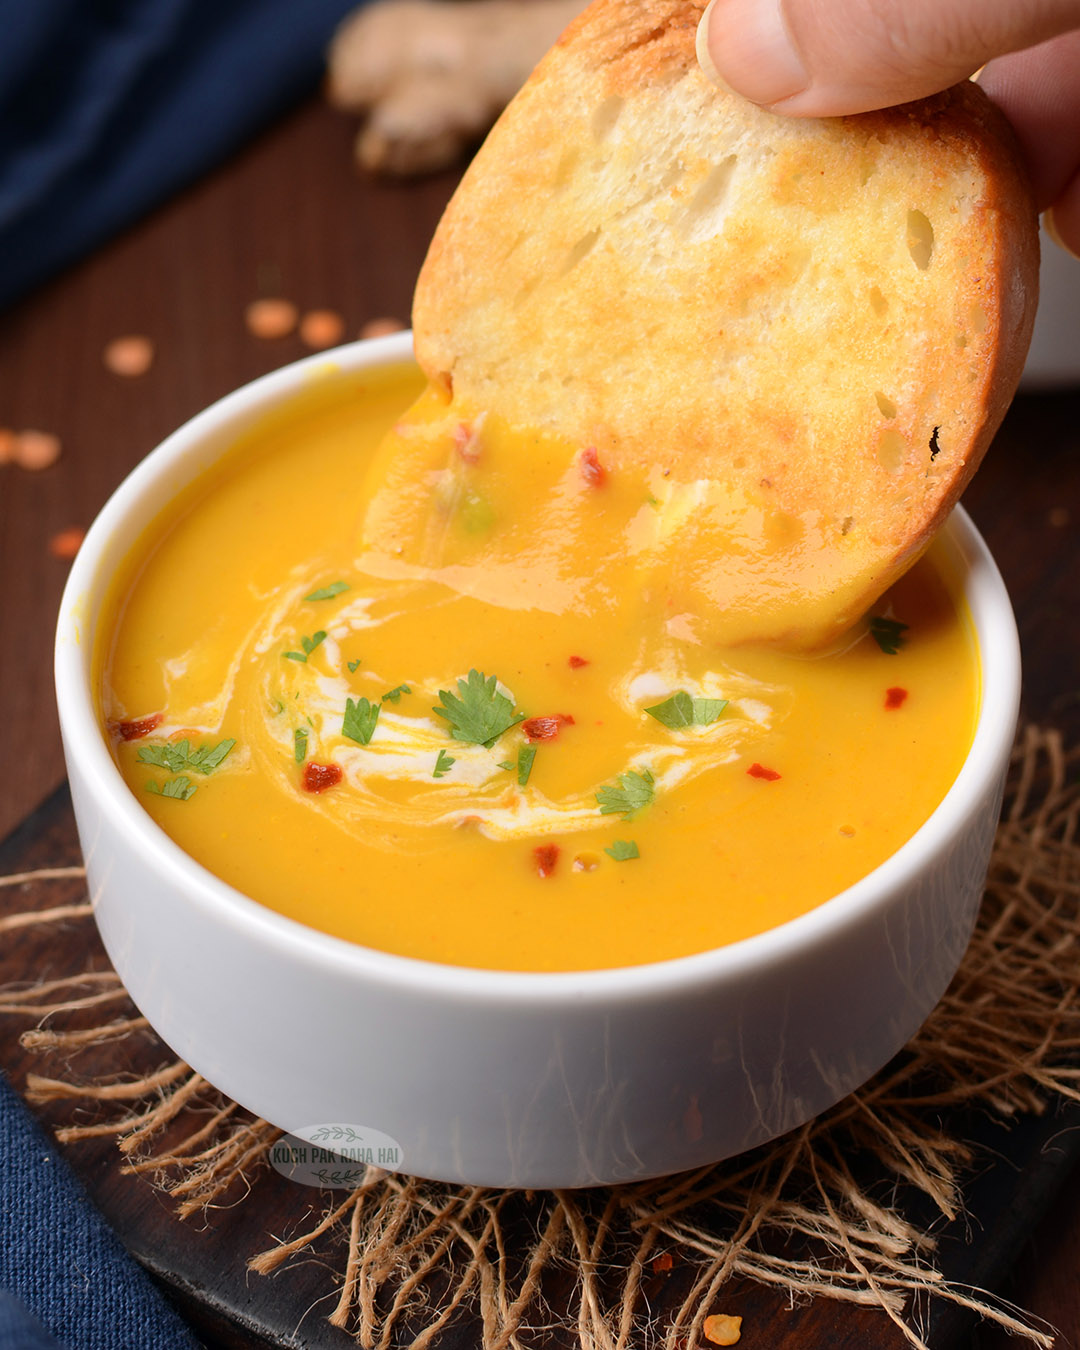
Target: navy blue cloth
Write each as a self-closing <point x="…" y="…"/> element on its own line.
<point x="20" y="1329"/>
<point x="108" y="106"/>
<point x="62" y="1262"/>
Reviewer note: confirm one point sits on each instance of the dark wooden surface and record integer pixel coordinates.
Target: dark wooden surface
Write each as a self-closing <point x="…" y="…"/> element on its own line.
<point x="289" y="216"/>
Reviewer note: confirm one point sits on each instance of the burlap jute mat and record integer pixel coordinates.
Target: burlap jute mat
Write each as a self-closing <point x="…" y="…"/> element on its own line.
<point x="797" y="1214"/>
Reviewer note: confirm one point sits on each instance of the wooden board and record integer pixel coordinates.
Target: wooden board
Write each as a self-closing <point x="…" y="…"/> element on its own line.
<point x="201" y="1262"/>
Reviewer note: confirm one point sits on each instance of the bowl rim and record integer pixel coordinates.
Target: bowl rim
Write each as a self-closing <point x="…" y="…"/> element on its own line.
<point x="998" y="647"/>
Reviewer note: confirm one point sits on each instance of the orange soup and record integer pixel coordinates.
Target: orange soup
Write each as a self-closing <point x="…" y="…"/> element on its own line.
<point x="433" y="686"/>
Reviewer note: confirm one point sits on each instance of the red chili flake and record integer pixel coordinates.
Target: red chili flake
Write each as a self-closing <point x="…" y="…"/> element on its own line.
<point x="592" y="470"/>
<point x="135" y="731"/>
<point x="546" y="855"/>
<point x="663" y="1262"/>
<point x="760" y="771"/>
<point x="467" y="440"/>
<point x="895" y="696"/>
<point x="576" y="662"/>
<point x="545" y="728"/>
<point x="319" y="777"/>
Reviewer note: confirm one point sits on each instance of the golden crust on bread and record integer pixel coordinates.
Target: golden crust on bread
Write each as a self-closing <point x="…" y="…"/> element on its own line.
<point x="821" y="320"/>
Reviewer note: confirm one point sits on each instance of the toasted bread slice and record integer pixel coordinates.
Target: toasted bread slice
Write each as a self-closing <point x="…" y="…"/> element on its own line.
<point x="804" y="332"/>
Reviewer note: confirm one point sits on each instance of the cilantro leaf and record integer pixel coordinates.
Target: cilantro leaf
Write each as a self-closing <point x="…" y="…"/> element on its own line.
<point x="481" y="714"/>
<point x="328" y="592"/>
<point x="443" y="764"/>
<point x="526" y="755"/>
<point x="170" y="757"/>
<point x="309" y="644"/>
<point x="360" y="719"/>
<point x="680" y="710"/>
<point x="888" y="634"/>
<point x="181" y="788"/>
<point x="394" y="695"/>
<point x="623" y="850"/>
<point x="635" y="791"/>
<point x="354" y="666"/>
<point x="207" y="758"/>
<point x="299" y="745"/>
<point x="177" y="756"/>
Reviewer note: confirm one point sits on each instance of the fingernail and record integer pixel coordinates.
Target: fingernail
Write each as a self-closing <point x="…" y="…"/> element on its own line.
<point x="704" y="56"/>
<point x="757" y="56"/>
<point x="1049" y="225"/>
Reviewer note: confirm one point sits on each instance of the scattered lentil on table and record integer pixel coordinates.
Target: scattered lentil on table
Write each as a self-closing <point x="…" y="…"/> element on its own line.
<point x="66" y="543"/>
<point x="722" y="1329"/>
<point x="36" y="450"/>
<point x="271" y="318"/>
<point x="380" y="328"/>
<point x="129" y="356"/>
<point x="321" y="328"/>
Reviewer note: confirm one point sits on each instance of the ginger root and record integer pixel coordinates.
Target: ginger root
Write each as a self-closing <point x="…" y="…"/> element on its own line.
<point x="430" y="77"/>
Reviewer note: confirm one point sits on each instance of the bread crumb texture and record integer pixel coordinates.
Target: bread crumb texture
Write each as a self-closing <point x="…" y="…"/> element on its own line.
<point x="827" y="318"/>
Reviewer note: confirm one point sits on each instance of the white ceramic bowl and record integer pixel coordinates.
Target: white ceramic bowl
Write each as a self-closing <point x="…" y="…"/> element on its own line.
<point x="504" y="1078"/>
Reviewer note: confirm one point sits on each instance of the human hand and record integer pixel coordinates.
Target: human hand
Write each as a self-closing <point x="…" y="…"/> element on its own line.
<point x="824" y="58"/>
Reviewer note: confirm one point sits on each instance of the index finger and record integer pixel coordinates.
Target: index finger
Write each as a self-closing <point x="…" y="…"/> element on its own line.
<point x="1039" y="92"/>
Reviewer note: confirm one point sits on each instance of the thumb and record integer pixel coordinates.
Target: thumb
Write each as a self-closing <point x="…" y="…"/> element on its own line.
<point x="822" y="58"/>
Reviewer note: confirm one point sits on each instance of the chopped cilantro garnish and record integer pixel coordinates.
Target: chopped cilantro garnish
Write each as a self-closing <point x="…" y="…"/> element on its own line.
<point x="622" y="850"/>
<point x="888" y="634"/>
<point x="207" y="758"/>
<point x="360" y="719"/>
<point x="443" y="764"/>
<point x="181" y="788"/>
<point x="171" y="757"/>
<point x="309" y="644"/>
<point x="526" y="755"/>
<point x="328" y="592"/>
<point x="680" y="710"/>
<point x="481" y="714"/>
<point x="354" y="666"/>
<point x="635" y="790"/>
<point x="176" y="756"/>
<point x="394" y="695"/>
<point x="299" y="745"/>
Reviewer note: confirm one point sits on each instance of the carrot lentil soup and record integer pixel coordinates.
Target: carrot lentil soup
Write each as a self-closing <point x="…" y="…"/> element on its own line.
<point x="431" y="685"/>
